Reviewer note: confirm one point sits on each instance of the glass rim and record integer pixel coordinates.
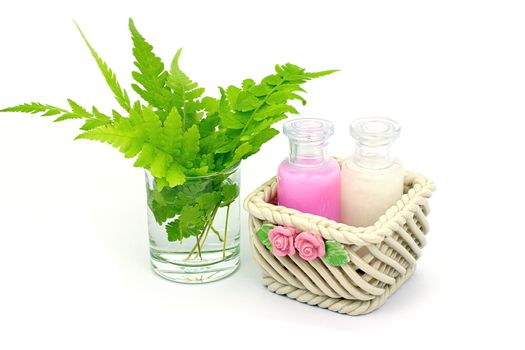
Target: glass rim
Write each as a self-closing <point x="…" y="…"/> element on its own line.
<point x="228" y="171"/>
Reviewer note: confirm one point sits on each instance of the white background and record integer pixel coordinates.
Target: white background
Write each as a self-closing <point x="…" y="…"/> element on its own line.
<point x="74" y="269"/>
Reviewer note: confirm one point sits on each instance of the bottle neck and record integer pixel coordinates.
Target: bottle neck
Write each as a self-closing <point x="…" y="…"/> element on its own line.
<point x="308" y="155"/>
<point x="373" y="157"/>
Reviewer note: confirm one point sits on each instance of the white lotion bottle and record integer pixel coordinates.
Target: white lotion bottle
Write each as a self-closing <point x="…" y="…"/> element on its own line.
<point x="371" y="179"/>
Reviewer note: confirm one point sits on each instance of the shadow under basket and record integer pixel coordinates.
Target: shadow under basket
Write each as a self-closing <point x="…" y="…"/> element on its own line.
<point x="382" y="256"/>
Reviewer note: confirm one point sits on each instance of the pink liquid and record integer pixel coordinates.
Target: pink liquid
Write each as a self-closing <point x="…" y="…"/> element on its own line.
<point x="313" y="190"/>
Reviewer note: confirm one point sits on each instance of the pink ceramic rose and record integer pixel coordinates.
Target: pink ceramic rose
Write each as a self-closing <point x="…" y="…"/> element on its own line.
<point x="309" y="245"/>
<point x="282" y="239"/>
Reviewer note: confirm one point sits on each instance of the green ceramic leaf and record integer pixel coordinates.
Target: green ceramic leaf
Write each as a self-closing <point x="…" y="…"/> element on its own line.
<point x="262" y="234"/>
<point x="336" y="254"/>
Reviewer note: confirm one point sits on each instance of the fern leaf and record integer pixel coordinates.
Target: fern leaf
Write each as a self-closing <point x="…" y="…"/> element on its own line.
<point x="175" y="175"/>
<point x="321" y="74"/>
<point x="261" y="90"/>
<point x="273" y="110"/>
<point x="151" y="75"/>
<point x="100" y="116"/>
<point x="146" y="156"/>
<point x="98" y="119"/>
<point x="68" y="116"/>
<point x="255" y="128"/>
<point x="155" y="160"/>
<point x="135" y="115"/>
<point x="208" y="126"/>
<point x="151" y="124"/>
<point x="124" y="136"/>
<point x="171" y="137"/>
<point x="185" y="93"/>
<point x="35" y="108"/>
<point x="116" y="116"/>
<point x="241" y="152"/>
<point x="246" y="102"/>
<point x="232" y="121"/>
<point x="190" y="147"/>
<point x="78" y="112"/>
<point x="210" y="105"/>
<point x="160" y="164"/>
<point x="250" y="112"/>
<point x="231" y="94"/>
<point x="111" y="79"/>
<point x="261" y="138"/>
<point x="78" y="109"/>
<point x="91" y="124"/>
<point x="280" y="97"/>
<point x="247" y="84"/>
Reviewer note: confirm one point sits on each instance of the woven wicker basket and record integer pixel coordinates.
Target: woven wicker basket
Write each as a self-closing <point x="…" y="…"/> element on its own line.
<point x="382" y="257"/>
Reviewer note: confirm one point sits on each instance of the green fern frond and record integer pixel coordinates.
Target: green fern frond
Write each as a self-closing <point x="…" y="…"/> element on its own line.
<point x="247" y="113"/>
<point x="155" y="160"/>
<point x="98" y="119"/>
<point x="91" y="124"/>
<point x="124" y="136"/>
<point x="61" y="114"/>
<point x="151" y="124"/>
<point x="100" y="116"/>
<point x="35" y="108"/>
<point x="185" y="93"/>
<point x="313" y="75"/>
<point x="178" y="133"/>
<point x="151" y="75"/>
<point x="143" y="135"/>
<point x="111" y="79"/>
<point x="78" y="109"/>
<point x="160" y="164"/>
<point x="190" y="147"/>
<point x="171" y="136"/>
<point x="77" y="112"/>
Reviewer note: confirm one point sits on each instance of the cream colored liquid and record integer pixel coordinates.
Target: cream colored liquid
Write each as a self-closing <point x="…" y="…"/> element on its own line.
<point x="366" y="194"/>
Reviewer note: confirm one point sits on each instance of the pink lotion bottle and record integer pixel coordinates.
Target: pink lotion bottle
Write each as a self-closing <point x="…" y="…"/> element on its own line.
<point x="309" y="179"/>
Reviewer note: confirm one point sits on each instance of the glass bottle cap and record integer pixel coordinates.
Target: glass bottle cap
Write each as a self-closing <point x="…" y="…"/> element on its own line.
<point x="375" y="131"/>
<point x="305" y="130"/>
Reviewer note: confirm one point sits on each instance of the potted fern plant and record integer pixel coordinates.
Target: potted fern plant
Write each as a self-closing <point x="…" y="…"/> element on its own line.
<point x="190" y="146"/>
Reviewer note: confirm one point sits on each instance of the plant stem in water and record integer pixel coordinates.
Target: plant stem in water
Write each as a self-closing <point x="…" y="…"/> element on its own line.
<point x="203" y="236"/>
<point x="225" y="232"/>
<point x="216" y="233"/>
<point x="206" y="228"/>
<point x="199" y="244"/>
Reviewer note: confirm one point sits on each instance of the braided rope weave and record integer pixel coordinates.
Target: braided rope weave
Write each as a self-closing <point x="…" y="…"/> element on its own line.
<point x="382" y="256"/>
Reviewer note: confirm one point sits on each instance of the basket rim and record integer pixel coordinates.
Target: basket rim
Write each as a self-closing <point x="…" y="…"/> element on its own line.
<point x="411" y="202"/>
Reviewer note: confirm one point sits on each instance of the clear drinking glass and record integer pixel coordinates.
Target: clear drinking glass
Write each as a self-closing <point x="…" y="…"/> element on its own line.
<point x="194" y="228"/>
